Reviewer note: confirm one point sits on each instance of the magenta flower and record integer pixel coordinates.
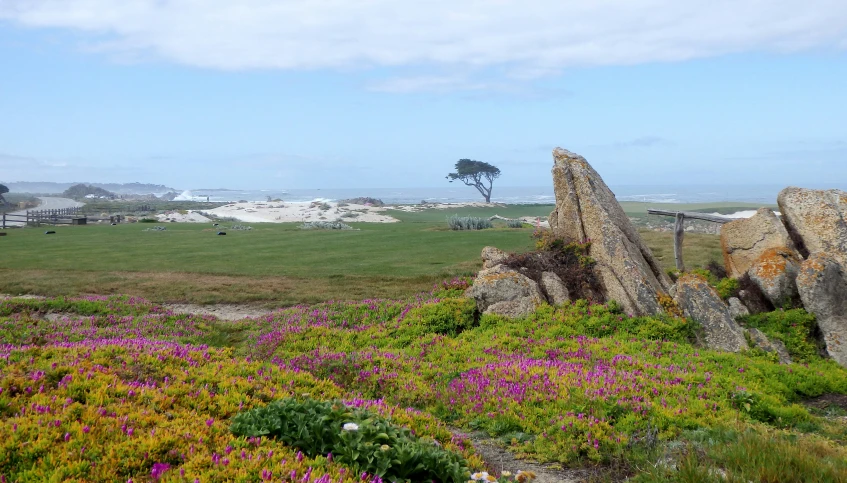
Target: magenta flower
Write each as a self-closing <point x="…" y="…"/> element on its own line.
<point x="158" y="470"/>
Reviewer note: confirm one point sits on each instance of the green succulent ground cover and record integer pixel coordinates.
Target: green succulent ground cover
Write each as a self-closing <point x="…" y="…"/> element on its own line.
<point x="574" y="385"/>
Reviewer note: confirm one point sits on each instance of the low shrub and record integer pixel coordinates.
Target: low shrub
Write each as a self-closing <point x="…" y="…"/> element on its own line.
<point x="728" y="287"/>
<point x="457" y="222"/>
<point x="514" y="224"/>
<point x="452" y="288"/>
<point x="756" y="454"/>
<point x="357" y="438"/>
<point x="447" y="317"/>
<point x="795" y="328"/>
<point x="148" y="220"/>
<point x="569" y="260"/>
<point x="325" y="225"/>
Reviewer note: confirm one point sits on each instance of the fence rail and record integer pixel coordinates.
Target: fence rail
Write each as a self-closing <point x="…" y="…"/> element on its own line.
<point x="679" y="230"/>
<point x="64" y="216"/>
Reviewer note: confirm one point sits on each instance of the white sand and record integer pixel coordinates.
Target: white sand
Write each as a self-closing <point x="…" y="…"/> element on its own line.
<point x="177" y="217"/>
<point x="263" y="212"/>
<point x="741" y="214"/>
<point x="282" y="212"/>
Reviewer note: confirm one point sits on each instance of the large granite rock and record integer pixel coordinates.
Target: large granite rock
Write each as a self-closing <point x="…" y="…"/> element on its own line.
<point x="745" y="240"/>
<point x="493" y="256"/>
<point x="503" y="291"/>
<point x="823" y="289"/>
<point x="774" y="272"/>
<point x="818" y="219"/>
<point x="701" y="303"/>
<point x="586" y="209"/>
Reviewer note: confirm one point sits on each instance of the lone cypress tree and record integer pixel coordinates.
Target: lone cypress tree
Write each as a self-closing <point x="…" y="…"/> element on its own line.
<point x="476" y="173"/>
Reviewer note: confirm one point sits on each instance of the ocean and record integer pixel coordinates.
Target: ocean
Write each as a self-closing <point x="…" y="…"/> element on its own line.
<point x="765" y="194"/>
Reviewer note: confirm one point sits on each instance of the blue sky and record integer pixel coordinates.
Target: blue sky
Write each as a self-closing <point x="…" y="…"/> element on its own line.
<point x="327" y="93"/>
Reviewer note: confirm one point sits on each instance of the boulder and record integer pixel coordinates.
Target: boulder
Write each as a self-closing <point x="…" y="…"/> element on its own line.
<point x="817" y="220"/>
<point x="776" y="346"/>
<point x="514" y="309"/>
<point x="557" y="292"/>
<point x="497" y="285"/>
<point x="774" y="272"/>
<point x="736" y="308"/>
<point x="586" y="209"/>
<point x="745" y="240"/>
<point x="492" y="256"/>
<point x="701" y="303"/>
<point x="823" y="289"/>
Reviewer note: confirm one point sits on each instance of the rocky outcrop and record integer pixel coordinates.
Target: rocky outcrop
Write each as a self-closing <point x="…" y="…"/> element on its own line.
<point x="817" y="220"/>
<point x="736" y="308"/>
<point x="774" y="272"/>
<point x="586" y="209"/>
<point x="822" y="285"/>
<point x="557" y="292"/>
<point x="492" y="256"/>
<point x="745" y="240"/>
<point x="503" y="291"/>
<point x="701" y="303"/>
<point x="775" y="346"/>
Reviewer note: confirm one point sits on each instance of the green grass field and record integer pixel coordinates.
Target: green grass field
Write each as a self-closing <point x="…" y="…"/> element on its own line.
<point x="278" y="264"/>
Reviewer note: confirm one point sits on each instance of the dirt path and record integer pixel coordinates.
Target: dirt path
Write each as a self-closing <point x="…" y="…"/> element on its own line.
<point x="221" y="311"/>
<point x="499" y="459"/>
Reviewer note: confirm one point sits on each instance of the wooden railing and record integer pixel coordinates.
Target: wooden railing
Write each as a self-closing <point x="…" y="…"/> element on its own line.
<point x="679" y="229"/>
<point x="64" y="216"/>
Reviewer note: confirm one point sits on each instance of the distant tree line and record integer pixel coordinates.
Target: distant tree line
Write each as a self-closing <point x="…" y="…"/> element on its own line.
<point x="79" y="191"/>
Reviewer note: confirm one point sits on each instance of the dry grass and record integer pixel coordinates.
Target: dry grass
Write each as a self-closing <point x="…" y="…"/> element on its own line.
<point x="206" y="289"/>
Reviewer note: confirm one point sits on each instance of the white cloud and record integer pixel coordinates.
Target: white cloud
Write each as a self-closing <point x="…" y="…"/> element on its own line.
<point x="526" y="38"/>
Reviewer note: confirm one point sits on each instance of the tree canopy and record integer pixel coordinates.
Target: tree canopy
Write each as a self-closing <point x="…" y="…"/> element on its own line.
<point x="476" y="174"/>
<point x="3" y="189"/>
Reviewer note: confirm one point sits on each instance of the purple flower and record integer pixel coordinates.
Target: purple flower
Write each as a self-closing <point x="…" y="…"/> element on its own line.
<point x="210" y="422"/>
<point x="159" y="469"/>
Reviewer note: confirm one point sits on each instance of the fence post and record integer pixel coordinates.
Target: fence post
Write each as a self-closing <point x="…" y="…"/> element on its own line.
<point x="679" y="232"/>
<point x="4" y="221"/>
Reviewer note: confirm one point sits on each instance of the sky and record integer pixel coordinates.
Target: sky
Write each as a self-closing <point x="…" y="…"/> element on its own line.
<point x="390" y="93"/>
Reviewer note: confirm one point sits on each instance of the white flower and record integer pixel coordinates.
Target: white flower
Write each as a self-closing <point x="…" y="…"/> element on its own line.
<point x="482" y="475"/>
<point x="350" y="427"/>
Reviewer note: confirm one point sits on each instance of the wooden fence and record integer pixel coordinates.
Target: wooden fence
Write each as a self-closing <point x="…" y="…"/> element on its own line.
<point x="679" y="229"/>
<point x="64" y="216"/>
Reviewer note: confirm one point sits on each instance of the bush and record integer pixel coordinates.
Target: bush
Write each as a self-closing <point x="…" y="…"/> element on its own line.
<point x="447" y="317"/>
<point x="514" y="224"/>
<point x="325" y="225"/>
<point x="148" y="220"/>
<point x="457" y="222"/>
<point x="354" y="437"/>
<point x="728" y="287"/>
<point x="569" y="260"/>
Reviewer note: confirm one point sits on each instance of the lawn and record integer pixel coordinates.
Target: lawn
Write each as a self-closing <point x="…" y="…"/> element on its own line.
<point x="278" y="264"/>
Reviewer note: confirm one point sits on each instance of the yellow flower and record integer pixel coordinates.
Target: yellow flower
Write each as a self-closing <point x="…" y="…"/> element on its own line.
<point x="524" y="476"/>
<point x="506" y="474"/>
